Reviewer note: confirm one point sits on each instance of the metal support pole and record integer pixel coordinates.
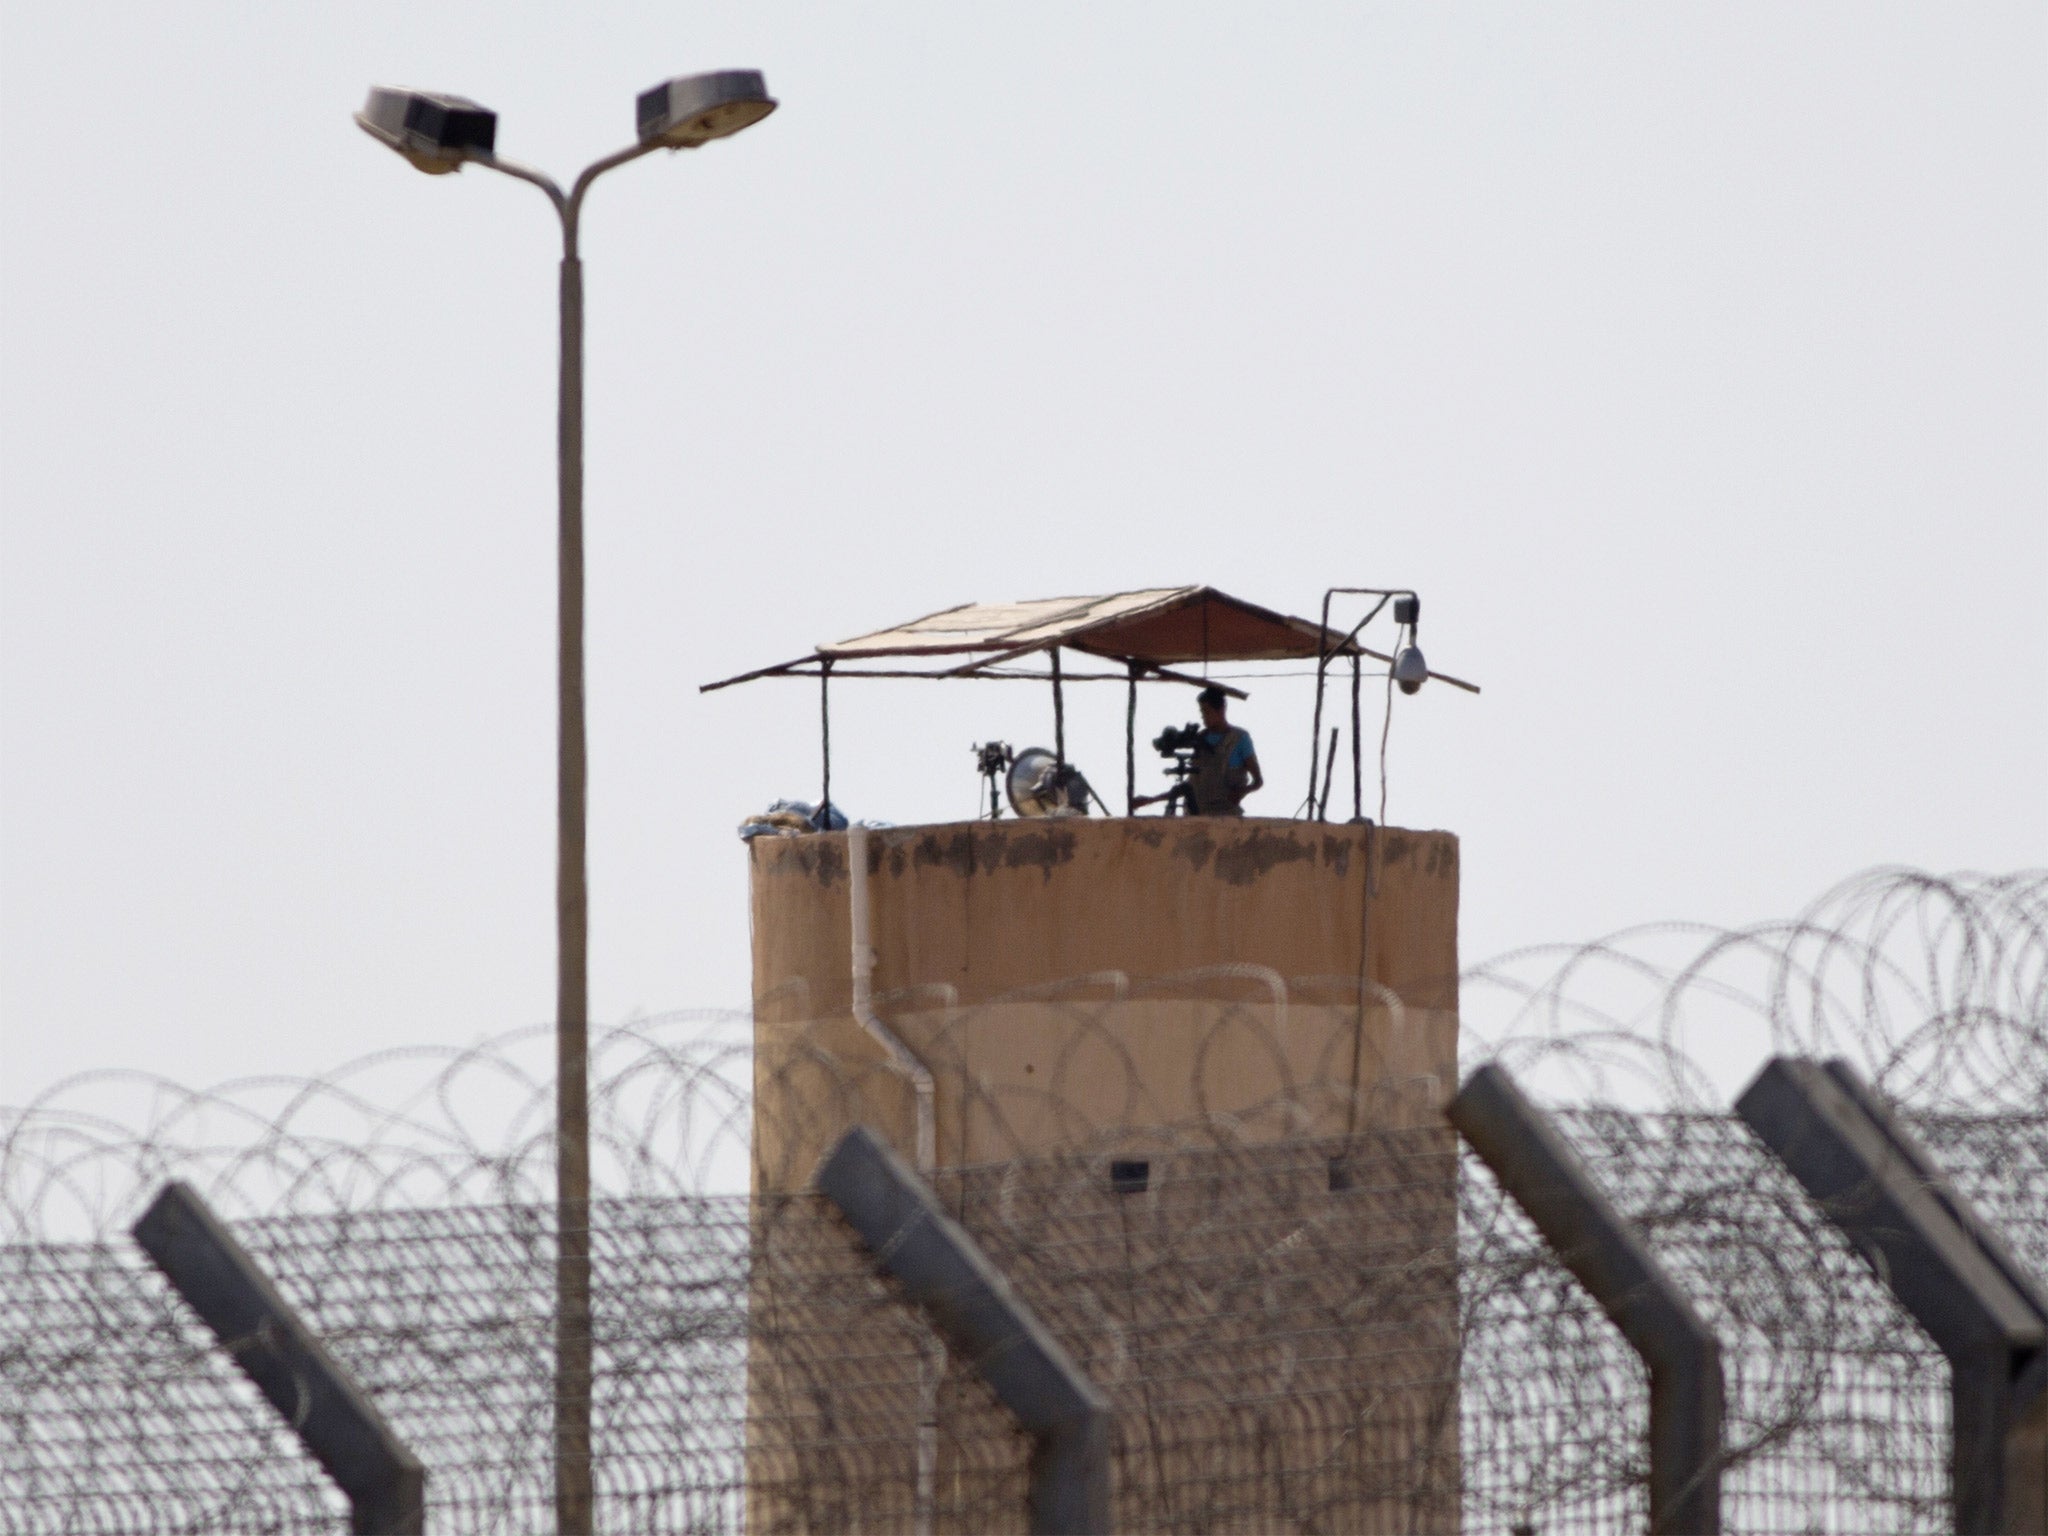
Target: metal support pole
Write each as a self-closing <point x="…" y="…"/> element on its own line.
<point x="825" y="744"/>
<point x="1945" y="1266"/>
<point x="572" y="935"/>
<point x="1329" y="778"/>
<point x="574" y="1510"/>
<point x="1938" y="1184"/>
<point x="340" y="1427"/>
<point x="1324" y="656"/>
<point x="1131" y="744"/>
<point x="1607" y="1256"/>
<point x="1357" y="761"/>
<point x="1059" y="712"/>
<point x="945" y="1274"/>
<point x="1315" y="725"/>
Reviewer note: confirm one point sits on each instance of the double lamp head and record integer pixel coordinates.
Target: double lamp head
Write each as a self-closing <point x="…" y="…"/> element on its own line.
<point x="440" y="133"/>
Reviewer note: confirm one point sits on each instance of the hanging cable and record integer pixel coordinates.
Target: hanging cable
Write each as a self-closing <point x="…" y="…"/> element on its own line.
<point x="1385" y="730"/>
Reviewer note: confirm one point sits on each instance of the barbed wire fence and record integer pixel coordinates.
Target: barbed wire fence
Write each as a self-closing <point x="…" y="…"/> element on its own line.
<point x="1309" y="1307"/>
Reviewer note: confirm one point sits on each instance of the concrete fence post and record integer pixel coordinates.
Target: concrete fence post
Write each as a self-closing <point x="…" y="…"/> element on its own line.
<point x="384" y="1483"/>
<point x="1945" y="1265"/>
<point x="1606" y="1255"/>
<point x="971" y="1305"/>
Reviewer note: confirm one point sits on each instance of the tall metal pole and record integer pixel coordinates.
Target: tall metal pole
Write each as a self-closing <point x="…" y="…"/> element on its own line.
<point x="574" y="1501"/>
<point x="696" y="120"/>
<point x="573" y="1512"/>
<point x="575" y="1509"/>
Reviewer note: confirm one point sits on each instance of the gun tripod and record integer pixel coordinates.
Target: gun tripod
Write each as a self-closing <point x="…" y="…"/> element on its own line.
<point x="1179" y="797"/>
<point x="993" y="759"/>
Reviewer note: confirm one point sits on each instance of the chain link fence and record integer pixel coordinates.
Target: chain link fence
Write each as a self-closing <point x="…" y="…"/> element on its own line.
<point x="1347" y="1328"/>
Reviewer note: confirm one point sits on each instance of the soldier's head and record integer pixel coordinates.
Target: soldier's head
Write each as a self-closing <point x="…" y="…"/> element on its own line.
<point x="1213" y="701"/>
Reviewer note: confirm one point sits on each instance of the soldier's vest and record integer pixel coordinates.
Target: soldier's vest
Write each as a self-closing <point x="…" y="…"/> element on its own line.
<point x="1214" y="786"/>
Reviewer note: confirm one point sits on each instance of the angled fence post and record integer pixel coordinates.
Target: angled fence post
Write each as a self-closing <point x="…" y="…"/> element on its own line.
<point x="944" y="1272"/>
<point x="384" y="1483"/>
<point x="1943" y="1263"/>
<point x="1607" y="1256"/>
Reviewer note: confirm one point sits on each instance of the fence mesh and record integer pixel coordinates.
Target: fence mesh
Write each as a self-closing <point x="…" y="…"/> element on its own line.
<point x="1344" y="1330"/>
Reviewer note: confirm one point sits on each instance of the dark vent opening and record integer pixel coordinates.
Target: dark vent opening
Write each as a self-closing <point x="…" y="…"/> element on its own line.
<point x="1130" y="1176"/>
<point x="1340" y="1174"/>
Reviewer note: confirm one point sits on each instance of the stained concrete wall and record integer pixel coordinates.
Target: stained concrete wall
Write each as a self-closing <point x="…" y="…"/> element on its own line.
<point x="1072" y="982"/>
<point x="989" y="907"/>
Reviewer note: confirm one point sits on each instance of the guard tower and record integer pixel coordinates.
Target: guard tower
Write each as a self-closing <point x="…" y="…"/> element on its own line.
<point x="1106" y="989"/>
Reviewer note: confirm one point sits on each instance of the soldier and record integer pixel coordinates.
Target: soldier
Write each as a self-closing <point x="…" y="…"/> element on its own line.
<point x="1226" y="768"/>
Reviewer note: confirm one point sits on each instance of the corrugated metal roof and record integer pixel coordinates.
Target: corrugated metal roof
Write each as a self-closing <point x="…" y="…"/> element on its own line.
<point x="1157" y="624"/>
<point x="1150" y="631"/>
<point x="997" y="626"/>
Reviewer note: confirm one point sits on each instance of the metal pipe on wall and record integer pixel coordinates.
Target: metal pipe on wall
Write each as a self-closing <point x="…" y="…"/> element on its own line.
<point x="901" y="1057"/>
<point x="904" y="1061"/>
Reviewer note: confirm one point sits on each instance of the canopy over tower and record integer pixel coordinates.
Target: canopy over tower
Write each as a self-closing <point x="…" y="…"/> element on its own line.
<point x="1151" y="632"/>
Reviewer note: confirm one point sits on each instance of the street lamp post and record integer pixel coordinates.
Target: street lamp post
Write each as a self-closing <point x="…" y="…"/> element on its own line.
<point x="439" y="134"/>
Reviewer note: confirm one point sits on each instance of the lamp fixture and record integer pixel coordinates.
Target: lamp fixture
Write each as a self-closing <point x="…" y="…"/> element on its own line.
<point x="1410" y="670"/>
<point x="692" y="110"/>
<point x="437" y="133"/>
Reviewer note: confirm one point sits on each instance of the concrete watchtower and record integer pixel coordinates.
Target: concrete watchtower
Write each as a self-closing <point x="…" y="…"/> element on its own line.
<point x="1110" y="990"/>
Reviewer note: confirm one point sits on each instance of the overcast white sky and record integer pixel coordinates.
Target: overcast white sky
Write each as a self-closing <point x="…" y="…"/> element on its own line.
<point x="1692" y="361"/>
